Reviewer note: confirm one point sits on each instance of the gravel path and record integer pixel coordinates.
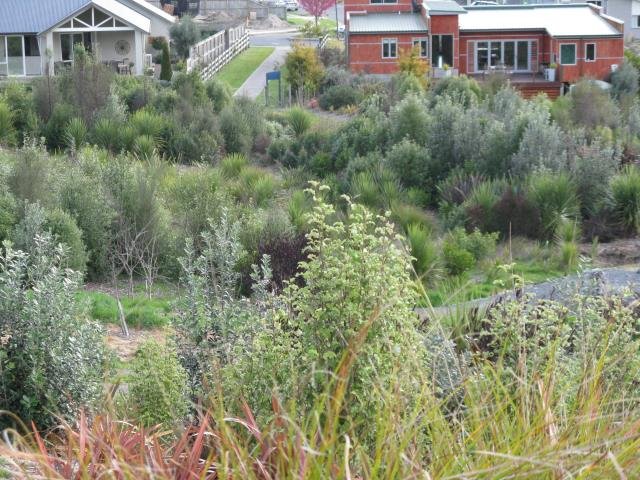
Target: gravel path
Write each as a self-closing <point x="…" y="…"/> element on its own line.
<point x="601" y="282"/>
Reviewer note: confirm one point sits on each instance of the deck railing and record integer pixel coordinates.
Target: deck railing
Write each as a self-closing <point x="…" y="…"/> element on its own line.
<point x="214" y="52"/>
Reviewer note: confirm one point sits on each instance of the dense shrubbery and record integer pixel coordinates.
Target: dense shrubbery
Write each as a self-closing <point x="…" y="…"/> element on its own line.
<point x="296" y="309"/>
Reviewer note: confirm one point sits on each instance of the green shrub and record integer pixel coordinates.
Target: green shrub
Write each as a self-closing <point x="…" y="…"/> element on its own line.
<point x="462" y="250"/>
<point x="255" y="185"/>
<point x="425" y="253"/>
<point x="83" y="195"/>
<point x="158" y="386"/>
<point x="219" y="93"/>
<point x="299" y="120"/>
<point x="56" y="128"/>
<point x="166" y="72"/>
<point x="555" y="197"/>
<point x="410" y="163"/>
<point x="148" y="123"/>
<point x="355" y="268"/>
<point x="51" y="358"/>
<point x="406" y="214"/>
<point x="184" y="34"/>
<point x="65" y="230"/>
<point x="7" y="129"/>
<point x="76" y="133"/>
<point x="410" y="120"/>
<point x="298" y="208"/>
<point x="232" y="165"/>
<point x="456" y="260"/>
<point x="340" y="96"/>
<point x="144" y="146"/>
<point x="236" y="132"/>
<point x="108" y="134"/>
<point x="8" y="215"/>
<point x="625" y="193"/>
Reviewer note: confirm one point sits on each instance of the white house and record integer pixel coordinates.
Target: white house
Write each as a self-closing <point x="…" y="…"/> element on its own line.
<point x="37" y="35"/>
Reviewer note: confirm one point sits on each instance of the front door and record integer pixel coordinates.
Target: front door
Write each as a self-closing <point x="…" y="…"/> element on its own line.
<point x="442" y="50"/>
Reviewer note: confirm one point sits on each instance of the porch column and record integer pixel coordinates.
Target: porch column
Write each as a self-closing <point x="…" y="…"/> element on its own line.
<point x="48" y="54"/>
<point x="139" y="45"/>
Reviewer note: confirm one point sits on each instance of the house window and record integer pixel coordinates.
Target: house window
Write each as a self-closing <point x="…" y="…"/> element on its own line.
<point x="597" y="3"/>
<point x="374" y="2"/>
<point x="421" y="45"/>
<point x="568" y="54"/>
<point x="590" y="52"/>
<point x="510" y="54"/>
<point x="389" y="47"/>
<point x="442" y="50"/>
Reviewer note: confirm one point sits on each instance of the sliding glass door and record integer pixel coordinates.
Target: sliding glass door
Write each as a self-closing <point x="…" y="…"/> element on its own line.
<point x="3" y="56"/>
<point x="509" y="54"/>
<point x="15" y="55"/>
<point x="69" y="40"/>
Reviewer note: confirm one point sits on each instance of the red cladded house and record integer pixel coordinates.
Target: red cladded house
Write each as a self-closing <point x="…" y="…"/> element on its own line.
<point x="522" y="42"/>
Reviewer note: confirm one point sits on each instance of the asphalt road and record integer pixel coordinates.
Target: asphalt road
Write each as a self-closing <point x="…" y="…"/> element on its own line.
<point x="272" y="40"/>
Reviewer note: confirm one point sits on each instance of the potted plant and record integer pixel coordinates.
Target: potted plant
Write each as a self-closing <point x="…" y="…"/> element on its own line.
<point x="447" y="70"/>
<point x="550" y="72"/>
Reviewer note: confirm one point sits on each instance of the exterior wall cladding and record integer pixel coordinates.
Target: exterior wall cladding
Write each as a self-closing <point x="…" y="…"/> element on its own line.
<point x="365" y="49"/>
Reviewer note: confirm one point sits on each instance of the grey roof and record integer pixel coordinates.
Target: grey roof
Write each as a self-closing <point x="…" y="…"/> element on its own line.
<point x="443" y="7"/>
<point x="564" y="20"/>
<point x="387" y="22"/>
<point x="35" y="16"/>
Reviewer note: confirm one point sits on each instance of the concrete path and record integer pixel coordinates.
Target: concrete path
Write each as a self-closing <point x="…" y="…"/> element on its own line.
<point x="253" y="87"/>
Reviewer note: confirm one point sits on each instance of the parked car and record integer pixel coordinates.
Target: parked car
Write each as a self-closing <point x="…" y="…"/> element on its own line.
<point x="292" y="5"/>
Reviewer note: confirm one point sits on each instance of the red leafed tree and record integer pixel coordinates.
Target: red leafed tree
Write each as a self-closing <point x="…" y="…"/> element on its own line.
<point x="317" y="7"/>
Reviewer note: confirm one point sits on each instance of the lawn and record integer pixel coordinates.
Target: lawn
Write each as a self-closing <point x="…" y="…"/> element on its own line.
<point x="139" y="311"/>
<point x="325" y="23"/>
<point x="241" y="67"/>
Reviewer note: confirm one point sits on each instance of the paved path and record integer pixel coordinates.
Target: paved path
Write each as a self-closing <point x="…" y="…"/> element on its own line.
<point x="254" y="85"/>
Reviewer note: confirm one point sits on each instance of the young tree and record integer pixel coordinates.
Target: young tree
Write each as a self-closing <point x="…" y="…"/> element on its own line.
<point x="166" y="73"/>
<point x="317" y="8"/>
<point x="303" y="70"/>
<point x="183" y="35"/>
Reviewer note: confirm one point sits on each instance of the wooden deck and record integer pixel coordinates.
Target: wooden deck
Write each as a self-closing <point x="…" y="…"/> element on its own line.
<point x="529" y="84"/>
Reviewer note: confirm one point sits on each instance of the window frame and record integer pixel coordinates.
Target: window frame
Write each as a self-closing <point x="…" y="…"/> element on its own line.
<point x="389" y="41"/>
<point x="575" y="53"/>
<point x="417" y="41"/>
<point x="595" y="52"/>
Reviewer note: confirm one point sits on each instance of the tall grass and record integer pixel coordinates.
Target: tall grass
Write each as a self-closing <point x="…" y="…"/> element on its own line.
<point x="232" y="165"/>
<point x="488" y="421"/>
<point x="299" y="120"/>
<point x="425" y="253"/>
<point x="7" y="129"/>
<point x="76" y="133"/>
<point x="625" y="191"/>
<point x="556" y="198"/>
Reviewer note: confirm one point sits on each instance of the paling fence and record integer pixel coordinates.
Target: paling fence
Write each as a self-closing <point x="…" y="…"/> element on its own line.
<point x="211" y="54"/>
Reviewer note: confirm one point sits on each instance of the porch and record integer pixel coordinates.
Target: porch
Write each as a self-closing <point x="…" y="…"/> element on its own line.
<point x="114" y="41"/>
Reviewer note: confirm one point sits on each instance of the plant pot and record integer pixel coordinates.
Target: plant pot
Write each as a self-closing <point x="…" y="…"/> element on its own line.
<point x="550" y="74"/>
